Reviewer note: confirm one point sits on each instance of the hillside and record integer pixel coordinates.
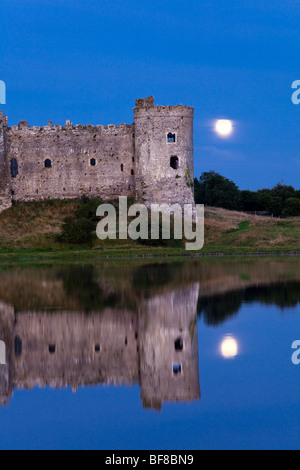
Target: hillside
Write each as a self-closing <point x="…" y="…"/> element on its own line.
<point x="33" y="227"/>
<point x="229" y="231"/>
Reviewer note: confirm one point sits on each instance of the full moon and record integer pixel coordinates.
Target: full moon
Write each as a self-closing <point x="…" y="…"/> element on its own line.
<point x="229" y="348"/>
<point x="224" y="127"/>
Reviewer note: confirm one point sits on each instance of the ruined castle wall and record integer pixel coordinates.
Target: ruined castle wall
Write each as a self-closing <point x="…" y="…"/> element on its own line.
<point x="95" y="161"/>
<point x="5" y="194"/>
<point x="101" y="161"/>
<point x="169" y="317"/>
<point x="62" y="348"/>
<point x="89" y="349"/>
<point x="157" y="180"/>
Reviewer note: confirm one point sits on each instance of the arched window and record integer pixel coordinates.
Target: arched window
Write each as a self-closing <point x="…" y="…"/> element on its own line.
<point x="48" y="163"/>
<point x="93" y="162"/>
<point x="174" y="163"/>
<point x="14" y="169"/>
<point x="132" y="172"/>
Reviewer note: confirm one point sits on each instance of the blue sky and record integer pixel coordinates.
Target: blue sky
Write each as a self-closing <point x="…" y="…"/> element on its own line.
<point x="88" y="61"/>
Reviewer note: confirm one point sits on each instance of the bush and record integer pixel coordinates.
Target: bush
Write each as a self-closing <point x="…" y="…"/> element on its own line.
<point x="87" y="209"/>
<point x="77" y="231"/>
<point x="292" y="207"/>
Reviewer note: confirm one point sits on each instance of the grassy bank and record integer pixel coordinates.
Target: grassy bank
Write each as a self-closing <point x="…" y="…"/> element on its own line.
<point x="31" y="230"/>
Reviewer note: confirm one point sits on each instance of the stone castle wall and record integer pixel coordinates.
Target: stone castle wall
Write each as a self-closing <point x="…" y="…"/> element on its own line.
<point x="55" y="162"/>
<point x="5" y="191"/>
<point x="95" y="161"/>
<point x="86" y="349"/>
<point x="115" y="346"/>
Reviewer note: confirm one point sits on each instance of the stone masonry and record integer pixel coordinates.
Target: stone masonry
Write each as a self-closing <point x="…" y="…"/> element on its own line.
<point x="150" y="159"/>
<point x="155" y="346"/>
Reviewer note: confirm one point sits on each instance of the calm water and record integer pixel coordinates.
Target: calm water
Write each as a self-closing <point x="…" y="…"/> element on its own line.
<point x="179" y="355"/>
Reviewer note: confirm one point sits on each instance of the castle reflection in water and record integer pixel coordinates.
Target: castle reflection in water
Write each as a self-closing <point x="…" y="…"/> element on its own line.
<point x="127" y="322"/>
<point x="154" y="344"/>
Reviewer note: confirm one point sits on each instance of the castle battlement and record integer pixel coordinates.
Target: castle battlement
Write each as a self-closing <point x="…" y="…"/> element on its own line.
<point x="150" y="159"/>
<point x="25" y="127"/>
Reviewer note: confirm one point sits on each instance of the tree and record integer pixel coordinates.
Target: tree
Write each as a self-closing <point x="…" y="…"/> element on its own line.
<point x="215" y="190"/>
<point x="250" y="201"/>
<point x="292" y="207"/>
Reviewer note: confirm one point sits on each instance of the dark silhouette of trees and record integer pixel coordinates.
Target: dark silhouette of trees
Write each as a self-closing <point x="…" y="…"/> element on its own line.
<point x="219" y="308"/>
<point x="215" y="190"/>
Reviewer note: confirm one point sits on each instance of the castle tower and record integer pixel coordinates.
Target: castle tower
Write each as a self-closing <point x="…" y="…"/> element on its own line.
<point x="5" y="192"/>
<point x="164" y="153"/>
<point x="6" y="340"/>
<point x="169" y="365"/>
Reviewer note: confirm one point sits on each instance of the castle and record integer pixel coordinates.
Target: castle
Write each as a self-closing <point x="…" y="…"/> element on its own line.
<point x="150" y="159"/>
<point x="155" y="346"/>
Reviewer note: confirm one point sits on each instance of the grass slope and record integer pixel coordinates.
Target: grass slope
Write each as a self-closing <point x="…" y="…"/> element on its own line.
<point x="30" y="228"/>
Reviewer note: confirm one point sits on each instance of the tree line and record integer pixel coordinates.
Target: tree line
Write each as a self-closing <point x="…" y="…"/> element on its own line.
<point x="218" y="308"/>
<point x="213" y="189"/>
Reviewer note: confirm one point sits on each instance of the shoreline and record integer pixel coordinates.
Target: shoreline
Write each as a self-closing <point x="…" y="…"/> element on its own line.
<point x="92" y="255"/>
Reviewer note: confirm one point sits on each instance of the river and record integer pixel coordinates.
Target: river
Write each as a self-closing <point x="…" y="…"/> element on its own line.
<point x="131" y="354"/>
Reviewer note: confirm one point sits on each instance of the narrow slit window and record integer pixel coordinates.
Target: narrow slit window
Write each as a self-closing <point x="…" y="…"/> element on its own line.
<point x="18" y="346"/>
<point x="171" y="138"/>
<point x="48" y="163"/>
<point x="132" y="172"/>
<point x="122" y="167"/>
<point x="178" y="344"/>
<point x="14" y="168"/>
<point x="174" y="163"/>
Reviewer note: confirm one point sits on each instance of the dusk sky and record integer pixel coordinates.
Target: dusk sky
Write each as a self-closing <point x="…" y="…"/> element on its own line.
<point x="230" y="59"/>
